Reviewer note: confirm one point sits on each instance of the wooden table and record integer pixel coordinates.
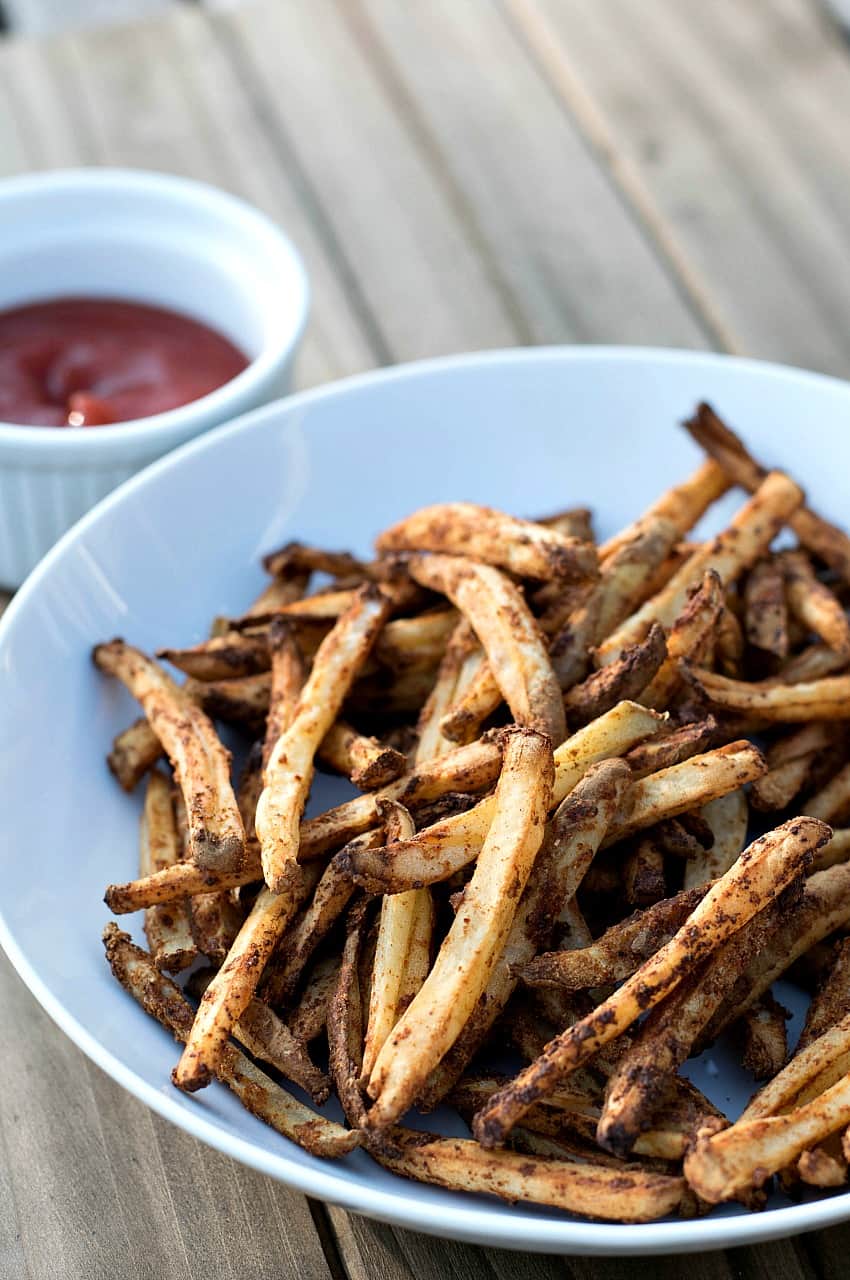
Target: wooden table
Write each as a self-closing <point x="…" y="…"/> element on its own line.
<point x="457" y="176"/>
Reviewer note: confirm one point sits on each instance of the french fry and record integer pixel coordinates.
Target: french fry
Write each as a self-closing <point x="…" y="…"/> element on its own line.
<point x="829" y="543"/>
<point x="475" y="703"/>
<point x="668" y="749"/>
<point x="826" y="699"/>
<point x="345" y="1020"/>
<point x="234" y="986"/>
<point x="434" y="1019"/>
<point x="309" y="1016"/>
<point x="242" y="700"/>
<point x="834" y="851"/>
<point x="215" y="922"/>
<point x="289" y="771"/>
<point x="298" y="558"/>
<point x="789" y="761"/>
<point x="508" y="633"/>
<point x="279" y="593"/>
<point x="269" y="1040"/>
<point x="164" y="1001"/>
<point x="683" y="505"/>
<point x="572" y="522"/>
<point x="287" y="681"/>
<point x="689" y="634"/>
<point x="221" y="658"/>
<point x="833" y="800"/>
<point x="746" y="539"/>
<point x="627" y="678"/>
<point x="831" y="1002"/>
<point x="766" y="610"/>
<point x="821" y="1168"/>
<point x="643" y="875"/>
<point x="812" y="663"/>
<point x="728" y="817"/>
<point x="762" y="1031"/>
<point x="522" y="547"/>
<point x="760" y="874"/>
<point x="167" y="928"/>
<point x="134" y="753"/>
<point x="201" y="764"/>
<point x="415" y="642"/>
<point x="460" y="1164"/>
<point x="462" y="659"/>
<point x="368" y="763"/>
<point x="813" y="604"/>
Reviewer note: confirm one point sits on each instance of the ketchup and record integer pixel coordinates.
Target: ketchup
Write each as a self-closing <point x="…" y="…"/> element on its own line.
<point x="84" y="362"/>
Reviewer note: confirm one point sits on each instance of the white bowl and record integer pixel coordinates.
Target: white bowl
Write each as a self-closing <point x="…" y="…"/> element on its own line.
<point x="529" y="431"/>
<point x="151" y="238"/>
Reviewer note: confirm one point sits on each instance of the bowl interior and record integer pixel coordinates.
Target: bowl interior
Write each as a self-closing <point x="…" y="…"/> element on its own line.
<point x="527" y="431"/>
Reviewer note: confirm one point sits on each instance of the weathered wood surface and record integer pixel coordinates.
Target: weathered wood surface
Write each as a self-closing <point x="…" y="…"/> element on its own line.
<point x="456" y="176"/>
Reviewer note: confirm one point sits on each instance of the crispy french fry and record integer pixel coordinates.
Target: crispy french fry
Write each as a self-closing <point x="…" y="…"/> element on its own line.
<point x="815" y="533"/>
<point x="689" y="635"/>
<point x="522" y="547"/>
<point x="460" y="1164"/>
<point x="665" y="750"/>
<point x="740" y="545"/>
<point x="289" y="771"/>
<point x="684" y="504"/>
<point x="822" y="1168"/>
<point x="765" y="609"/>
<point x="215" y="922"/>
<point x="434" y="1019"/>
<point x="637" y="666"/>
<point x="789" y="762"/>
<point x="164" y="1001"/>
<point x="813" y="604"/>
<point x="221" y="658"/>
<point x="368" y="763"/>
<point x="762" y="1031"/>
<point x="831" y="1002"/>
<point x="415" y="642"/>
<point x="201" y="764"/>
<point x="298" y="558"/>
<point x="508" y="633"/>
<point x="826" y="699"/>
<point x="269" y="1040"/>
<point x="345" y="1020"/>
<point x="463" y="657"/>
<point x="760" y="874"/>
<point x="233" y="987"/>
<point x="475" y="703"/>
<point x="134" y="753"/>
<point x="727" y="816"/>
<point x="167" y="928"/>
<point x="287" y="681"/>
<point x="242" y="700"/>
<point x="307" y="1020"/>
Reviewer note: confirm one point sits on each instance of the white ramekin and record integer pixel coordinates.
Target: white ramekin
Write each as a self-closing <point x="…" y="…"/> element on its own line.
<point x="146" y="237"/>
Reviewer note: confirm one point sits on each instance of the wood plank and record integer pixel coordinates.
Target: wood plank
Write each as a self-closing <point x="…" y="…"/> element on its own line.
<point x="575" y="261"/>
<point x="168" y="99"/>
<point x="726" y="120"/>
<point x="90" y="1176"/>
<point x="42" y="17"/>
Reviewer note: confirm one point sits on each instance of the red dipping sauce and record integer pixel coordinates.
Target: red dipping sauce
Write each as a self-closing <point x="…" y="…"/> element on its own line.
<point x="85" y="362"/>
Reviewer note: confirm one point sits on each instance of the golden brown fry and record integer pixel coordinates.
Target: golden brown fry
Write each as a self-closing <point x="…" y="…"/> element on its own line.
<point x="668" y="749"/>
<point x="164" y="1001"/>
<point x="508" y="633"/>
<point x="689" y="635"/>
<point x="822" y="1168"/>
<point x="688" y="785"/>
<point x="760" y="874"/>
<point x="201" y="764"/>
<point x="728" y="817"/>
<point x="289" y="771"/>
<point x="215" y="922"/>
<point x="729" y="643"/>
<point x="462" y="1165"/>
<point x="831" y="1002"/>
<point x="767" y="701"/>
<point x="287" y="681"/>
<point x="368" y="763"/>
<point x="741" y="544"/>
<point x="434" y="1019"/>
<point x="134" y="753"/>
<point x="522" y="547"/>
<point x="637" y="666"/>
<point x="235" y="984"/>
<point x="474" y="704"/>
<point x="813" y="604"/>
<point x="242" y="700"/>
<point x="620" y="950"/>
<point x="269" y="1040"/>
<point x="765" y="609"/>
<point x="818" y="535"/>
<point x="167" y="928"/>
<point x="307" y="1020"/>
<point x="221" y="658"/>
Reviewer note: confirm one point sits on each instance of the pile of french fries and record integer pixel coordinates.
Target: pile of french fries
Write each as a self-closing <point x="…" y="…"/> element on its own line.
<point x="557" y="748"/>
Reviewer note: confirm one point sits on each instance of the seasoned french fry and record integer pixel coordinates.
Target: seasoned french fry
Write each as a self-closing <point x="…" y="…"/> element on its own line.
<point x="643" y="875"/>
<point x="727" y="816"/>
<point x="508" y="633"/>
<point x="573" y="522"/>
<point x="221" y="658"/>
<point x="522" y="547"/>
<point x="475" y="703"/>
<point x="345" y="1020"/>
<point x="765" y="609"/>
<point x="637" y="666"/>
<point x="813" y="604"/>
<point x="279" y="593"/>
<point x="241" y="700"/>
<point x="415" y="642"/>
<point x="462" y="659"/>
<point x="826" y="699"/>
<point x="789" y="763"/>
<point x="740" y="545"/>
<point x="765" y="1044"/>
<point x="836" y="850"/>
<point x="668" y="749"/>
<point x="368" y="763"/>
<point x="167" y="928"/>
<point x="201" y="764"/>
<point x="289" y="771"/>
<point x="822" y="1168"/>
<point x="434" y="1019"/>
<point x="683" y="505"/>
<point x="307" y="1020"/>
<point x="164" y="1001"/>
<point x="597" y="1192"/>
<point x="760" y="874"/>
<point x="233" y="987"/>
<point x="689" y="635"/>
<point x="831" y="1002"/>
<point x="298" y="558"/>
<point x="287" y="681"/>
<point x="818" y="535"/>
<point x="215" y="922"/>
<point x="134" y="753"/>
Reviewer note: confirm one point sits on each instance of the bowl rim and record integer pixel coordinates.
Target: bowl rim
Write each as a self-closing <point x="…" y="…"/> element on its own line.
<point x="514" y="1228"/>
<point x="246" y="220"/>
